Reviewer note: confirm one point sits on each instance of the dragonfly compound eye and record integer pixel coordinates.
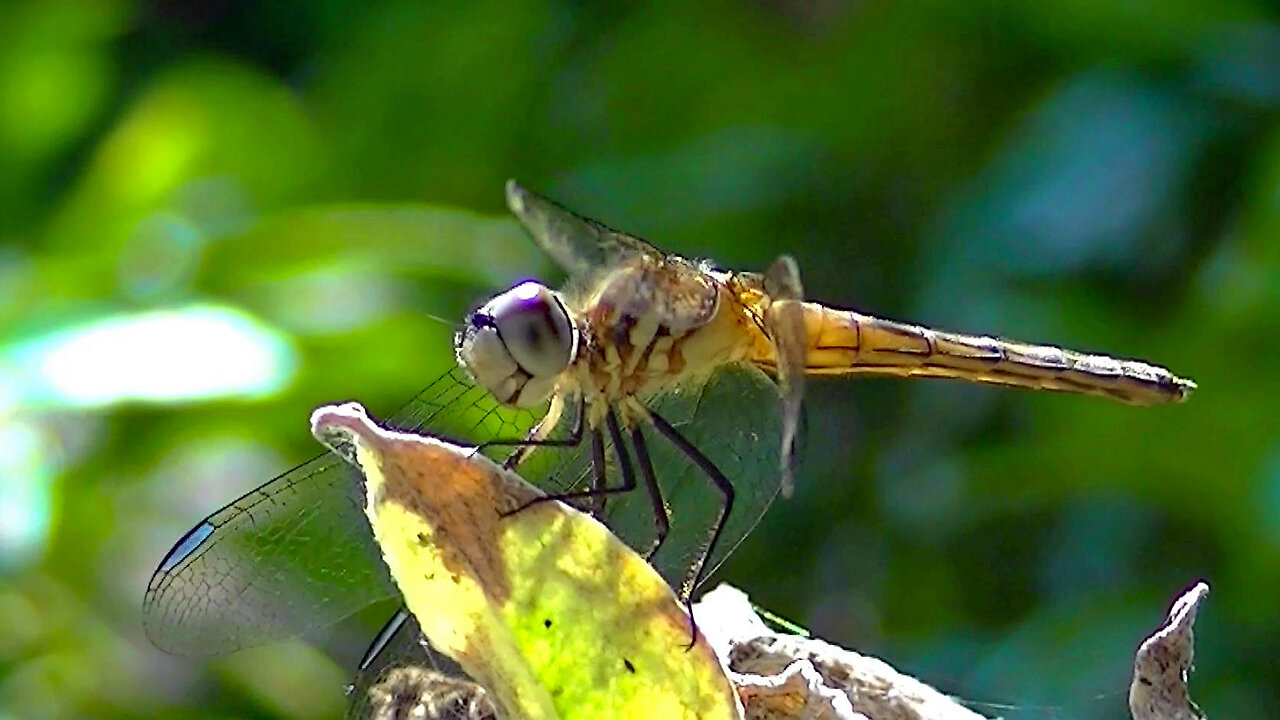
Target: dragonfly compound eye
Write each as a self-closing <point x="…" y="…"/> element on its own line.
<point x="518" y="343"/>
<point x="535" y="327"/>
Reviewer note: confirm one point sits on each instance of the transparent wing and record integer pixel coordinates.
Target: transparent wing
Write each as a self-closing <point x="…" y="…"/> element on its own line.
<point x="296" y="554"/>
<point x="734" y="420"/>
<point x="676" y="290"/>
<point x="784" y="322"/>
<point x="580" y="245"/>
<point x="292" y="555"/>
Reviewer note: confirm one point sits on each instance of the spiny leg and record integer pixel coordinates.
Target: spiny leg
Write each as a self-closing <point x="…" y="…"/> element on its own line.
<point x="531" y="441"/>
<point x="598" y="473"/>
<point x="661" y="520"/>
<point x="598" y="488"/>
<point x="725" y="488"/>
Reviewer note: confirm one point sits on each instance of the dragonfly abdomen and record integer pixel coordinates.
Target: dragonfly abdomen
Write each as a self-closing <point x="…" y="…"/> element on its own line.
<point x="843" y="342"/>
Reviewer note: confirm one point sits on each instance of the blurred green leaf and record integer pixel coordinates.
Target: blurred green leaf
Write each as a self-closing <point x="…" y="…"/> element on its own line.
<point x="1096" y="174"/>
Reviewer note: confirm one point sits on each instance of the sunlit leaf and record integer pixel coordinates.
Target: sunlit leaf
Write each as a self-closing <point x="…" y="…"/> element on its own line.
<point x="545" y="608"/>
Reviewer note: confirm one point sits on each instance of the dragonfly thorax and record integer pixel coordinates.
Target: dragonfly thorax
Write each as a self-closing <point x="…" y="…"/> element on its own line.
<point x="517" y="344"/>
<point x="631" y="349"/>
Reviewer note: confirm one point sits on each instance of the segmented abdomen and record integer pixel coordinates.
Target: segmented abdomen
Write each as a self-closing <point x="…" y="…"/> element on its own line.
<point x="843" y="342"/>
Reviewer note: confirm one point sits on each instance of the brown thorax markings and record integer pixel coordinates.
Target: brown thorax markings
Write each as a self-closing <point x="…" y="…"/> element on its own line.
<point x="647" y="329"/>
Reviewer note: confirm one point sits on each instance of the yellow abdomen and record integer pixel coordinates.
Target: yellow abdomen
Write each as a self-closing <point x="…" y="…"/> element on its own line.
<point x="844" y="342"/>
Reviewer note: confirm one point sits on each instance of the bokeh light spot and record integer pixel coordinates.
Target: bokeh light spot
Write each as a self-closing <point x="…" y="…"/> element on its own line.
<point x="198" y="352"/>
<point x="25" y="494"/>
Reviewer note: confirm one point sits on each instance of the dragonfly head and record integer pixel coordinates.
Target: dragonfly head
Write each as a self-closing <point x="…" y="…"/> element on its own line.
<point x="517" y="344"/>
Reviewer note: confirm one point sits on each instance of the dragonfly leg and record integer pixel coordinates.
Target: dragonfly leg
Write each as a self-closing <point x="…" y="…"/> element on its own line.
<point x="573" y="439"/>
<point x="598" y="488"/>
<point x="696" y="573"/>
<point x="598" y="474"/>
<point x="661" y="519"/>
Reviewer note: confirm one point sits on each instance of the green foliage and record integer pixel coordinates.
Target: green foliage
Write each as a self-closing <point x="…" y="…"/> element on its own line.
<point x="1098" y="175"/>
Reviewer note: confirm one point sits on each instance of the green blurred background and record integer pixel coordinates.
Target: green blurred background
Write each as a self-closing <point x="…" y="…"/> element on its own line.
<point x="215" y="215"/>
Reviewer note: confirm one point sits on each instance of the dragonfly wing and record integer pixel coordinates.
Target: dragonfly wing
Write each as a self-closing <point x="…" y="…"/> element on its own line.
<point x="579" y="245"/>
<point x="293" y="555"/>
<point x="734" y="420"/>
<point x="296" y="554"/>
<point x="678" y="291"/>
<point x="784" y="322"/>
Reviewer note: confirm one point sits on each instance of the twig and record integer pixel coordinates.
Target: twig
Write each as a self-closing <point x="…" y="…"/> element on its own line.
<point x="788" y="677"/>
<point x="1159" y="688"/>
<point x="784" y="677"/>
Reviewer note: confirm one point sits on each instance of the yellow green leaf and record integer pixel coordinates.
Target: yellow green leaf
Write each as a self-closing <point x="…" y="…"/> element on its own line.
<point x="544" y="607"/>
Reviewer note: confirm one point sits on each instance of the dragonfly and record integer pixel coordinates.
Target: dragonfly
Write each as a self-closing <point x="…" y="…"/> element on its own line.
<point x="637" y="323"/>
<point x="646" y="371"/>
